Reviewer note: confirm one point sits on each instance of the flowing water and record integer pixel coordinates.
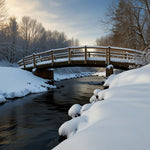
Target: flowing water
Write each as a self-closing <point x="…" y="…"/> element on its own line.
<point x="32" y="122"/>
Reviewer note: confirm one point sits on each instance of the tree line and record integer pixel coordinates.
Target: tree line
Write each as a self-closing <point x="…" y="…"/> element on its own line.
<point x="130" y="24"/>
<point x="19" y="39"/>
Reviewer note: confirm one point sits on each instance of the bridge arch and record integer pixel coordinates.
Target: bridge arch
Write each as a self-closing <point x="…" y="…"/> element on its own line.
<point x="94" y="56"/>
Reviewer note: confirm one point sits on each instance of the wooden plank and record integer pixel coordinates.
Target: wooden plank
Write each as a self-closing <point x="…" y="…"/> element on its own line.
<point x="106" y="62"/>
<point x="85" y="55"/>
<point x="109" y="53"/>
<point x="69" y="53"/>
<point x="52" y="57"/>
<point x="24" y="65"/>
<point x="34" y="61"/>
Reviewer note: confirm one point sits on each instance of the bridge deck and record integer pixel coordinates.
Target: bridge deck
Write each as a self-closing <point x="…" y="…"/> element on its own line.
<point x="83" y="56"/>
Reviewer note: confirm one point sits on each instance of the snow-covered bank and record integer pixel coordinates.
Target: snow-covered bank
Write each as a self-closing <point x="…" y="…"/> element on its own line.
<point x="15" y="82"/>
<point x="75" y="72"/>
<point x="5" y="63"/>
<point x="120" y="122"/>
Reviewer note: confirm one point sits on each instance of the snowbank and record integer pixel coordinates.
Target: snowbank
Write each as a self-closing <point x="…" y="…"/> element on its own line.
<point x="100" y="73"/>
<point x="5" y="63"/>
<point x="75" y="72"/>
<point x="2" y="99"/>
<point x="120" y="122"/>
<point x="15" y="82"/>
<point x="74" y="111"/>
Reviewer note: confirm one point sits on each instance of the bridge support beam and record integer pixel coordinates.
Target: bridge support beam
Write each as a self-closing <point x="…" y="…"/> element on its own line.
<point x="109" y="70"/>
<point x="46" y="74"/>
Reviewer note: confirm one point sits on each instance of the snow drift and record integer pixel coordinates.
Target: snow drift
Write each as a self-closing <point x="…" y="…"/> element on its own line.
<point x="121" y="121"/>
<point x="15" y="82"/>
<point x="75" y="72"/>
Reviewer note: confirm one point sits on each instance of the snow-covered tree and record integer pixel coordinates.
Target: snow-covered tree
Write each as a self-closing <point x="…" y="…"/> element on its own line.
<point x="13" y="35"/>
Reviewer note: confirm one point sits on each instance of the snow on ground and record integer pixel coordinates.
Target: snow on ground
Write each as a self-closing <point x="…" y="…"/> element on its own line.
<point x="15" y="82"/>
<point x="74" y="111"/>
<point x="120" y="122"/>
<point x="2" y="99"/>
<point x="75" y="72"/>
<point x="4" y="63"/>
<point x="61" y="76"/>
<point x="100" y="73"/>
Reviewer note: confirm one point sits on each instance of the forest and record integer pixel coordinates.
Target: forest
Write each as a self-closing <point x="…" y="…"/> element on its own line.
<point x="129" y="22"/>
<point x="19" y="39"/>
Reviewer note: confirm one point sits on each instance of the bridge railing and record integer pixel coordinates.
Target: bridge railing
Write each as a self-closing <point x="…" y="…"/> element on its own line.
<point x="84" y="53"/>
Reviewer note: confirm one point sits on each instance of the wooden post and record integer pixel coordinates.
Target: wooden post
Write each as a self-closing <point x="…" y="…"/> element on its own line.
<point x="108" y="55"/>
<point x="52" y="57"/>
<point x="34" y="61"/>
<point x="125" y="57"/>
<point x="69" y="59"/>
<point x="89" y="54"/>
<point x="106" y="62"/>
<point x="109" y="70"/>
<point x="24" y="63"/>
<point x="85" y="55"/>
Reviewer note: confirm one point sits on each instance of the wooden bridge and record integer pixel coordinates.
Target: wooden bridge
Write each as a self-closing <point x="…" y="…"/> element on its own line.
<point x="95" y="56"/>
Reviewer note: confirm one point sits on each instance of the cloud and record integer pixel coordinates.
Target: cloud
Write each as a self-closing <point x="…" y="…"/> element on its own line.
<point x="62" y="15"/>
<point x="30" y="8"/>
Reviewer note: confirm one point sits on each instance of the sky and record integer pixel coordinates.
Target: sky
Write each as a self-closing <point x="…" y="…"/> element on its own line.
<point x="77" y="18"/>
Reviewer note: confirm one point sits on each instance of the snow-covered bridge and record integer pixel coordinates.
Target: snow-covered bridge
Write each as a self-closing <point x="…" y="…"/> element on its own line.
<point x="83" y="56"/>
<point x="95" y="56"/>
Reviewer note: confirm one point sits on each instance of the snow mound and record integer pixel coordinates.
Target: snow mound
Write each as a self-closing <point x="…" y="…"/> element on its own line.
<point x="103" y="74"/>
<point x="110" y="78"/>
<point x="135" y="76"/>
<point x="16" y="82"/>
<point x="2" y="99"/>
<point x="74" y="111"/>
<point x="96" y="91"/>
<point x="85" y="107"/>
<point x="70" y="127"/>
<point x="110" y="66"/>
<point x="93" y="99"/>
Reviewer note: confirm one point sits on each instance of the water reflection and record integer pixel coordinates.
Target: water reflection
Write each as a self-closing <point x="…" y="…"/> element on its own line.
<point x="32" y="122"/>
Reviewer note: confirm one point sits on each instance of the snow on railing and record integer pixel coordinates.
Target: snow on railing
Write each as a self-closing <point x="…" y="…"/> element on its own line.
<point x="83" y="53"/>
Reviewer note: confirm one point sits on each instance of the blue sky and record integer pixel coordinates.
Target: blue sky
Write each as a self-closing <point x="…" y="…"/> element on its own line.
<point x="77" y="18"/>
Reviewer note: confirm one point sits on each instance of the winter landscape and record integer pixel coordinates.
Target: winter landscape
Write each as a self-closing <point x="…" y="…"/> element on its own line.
<point x="74" y="75"/>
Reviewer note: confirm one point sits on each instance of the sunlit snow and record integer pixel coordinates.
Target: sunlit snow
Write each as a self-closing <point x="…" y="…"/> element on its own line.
<point x="121" y="121"/>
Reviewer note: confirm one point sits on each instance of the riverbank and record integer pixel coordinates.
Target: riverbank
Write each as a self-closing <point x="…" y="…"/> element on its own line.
<point x="15" y="82"/>
<point x="120" y="121"/>
<point x="77" y="72"/>
<point x="32" y="122"/>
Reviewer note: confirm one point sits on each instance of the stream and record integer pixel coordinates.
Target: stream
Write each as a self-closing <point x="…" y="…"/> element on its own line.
<point x="32" y="122"/>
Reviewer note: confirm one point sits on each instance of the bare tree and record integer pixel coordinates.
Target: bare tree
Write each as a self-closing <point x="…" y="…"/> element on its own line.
<point x="74" y="42"/>
<point x="24" y="32"/>
<point x="31" y="31"/>
<point x="142" y="4"/>
<point x="13" y="35"/>
<point x="105" y="40"/>
<point x="130" y="23"/>
<point x="2" y="12"/>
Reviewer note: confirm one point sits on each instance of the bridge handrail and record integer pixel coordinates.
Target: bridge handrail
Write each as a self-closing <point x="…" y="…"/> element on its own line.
<point x="81" y="51"/>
